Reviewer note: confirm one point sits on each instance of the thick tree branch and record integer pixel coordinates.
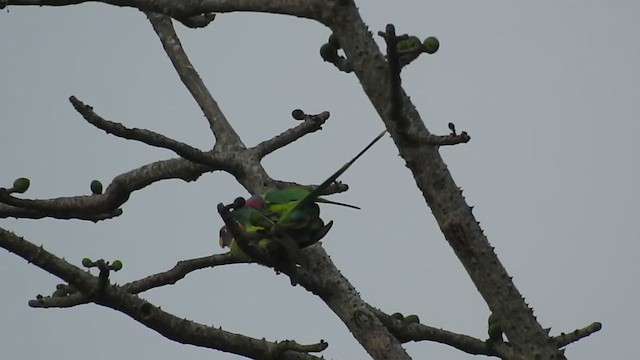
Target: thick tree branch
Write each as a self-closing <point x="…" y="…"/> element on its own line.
<point x="7" y="211"/>
<point x="444" y="197"/>
<point x="168" y="325"/>
<point x="395" y="81"/>
<point x="118" y="192"/>
<point x="309" y="125"/>
<point x="143" y="135"/>
<point x="186" y="9"/>
<point x="178" y="272"/>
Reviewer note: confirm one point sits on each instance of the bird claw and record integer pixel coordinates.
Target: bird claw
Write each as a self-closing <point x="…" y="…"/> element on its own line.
<point x="322" y="232"/>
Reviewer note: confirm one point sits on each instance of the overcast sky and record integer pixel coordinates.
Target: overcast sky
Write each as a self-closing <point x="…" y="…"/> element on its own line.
<point x="549" y="92"/>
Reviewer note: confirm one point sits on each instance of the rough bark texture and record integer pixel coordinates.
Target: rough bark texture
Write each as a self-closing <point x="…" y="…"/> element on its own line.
<point x="441" y="193"/>
<point x="379" y="334"/>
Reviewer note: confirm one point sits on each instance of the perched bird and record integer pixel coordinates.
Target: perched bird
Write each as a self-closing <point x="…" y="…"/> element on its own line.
<point x="248" y="220"/>
<point x="293" y="211"/>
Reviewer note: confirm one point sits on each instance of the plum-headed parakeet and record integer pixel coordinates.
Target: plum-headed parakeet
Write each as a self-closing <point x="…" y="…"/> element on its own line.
<point x="249" y="220"/>
<point x="293" y="210"/>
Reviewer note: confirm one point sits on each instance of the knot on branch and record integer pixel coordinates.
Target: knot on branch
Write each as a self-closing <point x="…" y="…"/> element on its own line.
<point x="291" y="345"/>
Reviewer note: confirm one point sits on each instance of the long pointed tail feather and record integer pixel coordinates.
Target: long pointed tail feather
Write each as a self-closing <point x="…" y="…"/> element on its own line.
<point x="318" y="191"/>
<point x="325" y="201"/>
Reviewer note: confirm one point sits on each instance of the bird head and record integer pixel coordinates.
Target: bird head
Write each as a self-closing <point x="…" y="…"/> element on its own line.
<point x="225" y="237"/>
<point x="255" y="201"/>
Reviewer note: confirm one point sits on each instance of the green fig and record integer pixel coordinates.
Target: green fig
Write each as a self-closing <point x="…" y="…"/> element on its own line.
<point x="86" y="262"/>
<point x="397" y="316"/>
<point x="431" y="45"/>
<point x="21" y="185"/>
<point x="298" y="114"/>
<point x="329" y="53"/>
<point x="411" y="43"/>
<point x="96" y="187"/>
<point x="411" y="319"/>
<point x="116" y="265"/>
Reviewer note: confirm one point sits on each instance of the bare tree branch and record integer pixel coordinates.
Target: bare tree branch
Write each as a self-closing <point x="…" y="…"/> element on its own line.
<point x="186" y="9"/>
<point x="118" y="192"/>
<point x="7" y="211"/>
<point x="168" y="325"/>
<point x="441" y="193"/>
<point x="309" y="125"/>
<point x="218" y="123"/>
<point x="178" y="272"/>
<point x="143" y="135"/>
<point x="451" y="139"/>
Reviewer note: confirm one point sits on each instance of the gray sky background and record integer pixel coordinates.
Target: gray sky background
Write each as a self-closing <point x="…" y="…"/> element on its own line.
<point x="549" y="91"/>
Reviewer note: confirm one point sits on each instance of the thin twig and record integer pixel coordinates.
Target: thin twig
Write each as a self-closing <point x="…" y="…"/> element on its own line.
<point x="198" y="21"/>
<point x="143" y="135"/>
<point x="180" y="330"/>
<point x="168" y="277"/>
<point x="309" y="125"/>
<point x="566" y="339"/>
<point x="178" y="272"/>
<point x="185" y="9"/>
<point x="117" y="193"/>
<point x="420" y="332"/>
<point x="443" y="140"/>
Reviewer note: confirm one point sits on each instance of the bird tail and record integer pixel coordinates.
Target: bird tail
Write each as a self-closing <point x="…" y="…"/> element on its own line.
<point x="325" y="201"/>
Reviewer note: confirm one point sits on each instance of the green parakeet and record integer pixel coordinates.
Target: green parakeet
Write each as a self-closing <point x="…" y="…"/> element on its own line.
<point x="293" y="210"/>
<point x="250" y="220"/>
